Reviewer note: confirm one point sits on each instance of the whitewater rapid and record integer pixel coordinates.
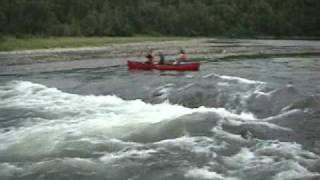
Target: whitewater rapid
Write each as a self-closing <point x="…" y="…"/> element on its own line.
<point x="50" y="134"/>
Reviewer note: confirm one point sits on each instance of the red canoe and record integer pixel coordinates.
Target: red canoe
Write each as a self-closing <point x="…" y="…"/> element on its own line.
<point x="164" y="67"/>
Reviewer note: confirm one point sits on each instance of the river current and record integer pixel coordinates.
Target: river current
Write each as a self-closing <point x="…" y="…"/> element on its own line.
<point x="248" y="119"/>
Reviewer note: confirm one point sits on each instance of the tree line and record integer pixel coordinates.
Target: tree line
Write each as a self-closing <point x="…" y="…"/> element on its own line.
<point x="160" y="17"/>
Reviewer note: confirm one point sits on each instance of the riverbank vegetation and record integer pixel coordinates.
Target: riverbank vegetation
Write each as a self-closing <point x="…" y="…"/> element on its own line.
<point x="235" y="18"/>
<point x="11" y="43"/>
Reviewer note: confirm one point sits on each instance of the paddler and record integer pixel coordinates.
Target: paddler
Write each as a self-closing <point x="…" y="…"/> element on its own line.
<point x="161" y="57"/>
<point x="182" y="57"/>
<point x="149" y="57"/>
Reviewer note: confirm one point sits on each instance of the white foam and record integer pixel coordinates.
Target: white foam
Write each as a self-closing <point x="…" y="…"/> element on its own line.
<point x="301" y="173"/>
<point x="283" y="158"/>
<point x="226" y="135"/>
<point x="82" y="165"/>
<point x="164" y="91"/>
<point x="284" y="114"/>
<point x="209" y="75"/>
<point x="200" y="146"/>
<point x="79" y="116"/>
<point x="186" y="87"/>
<point x="240" y="80"/>
<point x="189" y="76"/>
<point x="269" y="125"/>
<point x="51" y="100"/>
<point x="286" y="149"/>
<point x="96" y="120"/>
<point x="246" y="159"/>
<point x="134" y="153"/>
<point x="8" y="170"/>
<point x="225" y="84"/>
<point x="232" y="78"/>
<point x="203" y="173"/>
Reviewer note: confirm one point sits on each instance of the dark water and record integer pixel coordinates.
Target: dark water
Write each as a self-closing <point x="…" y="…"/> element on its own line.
<point x="241" y="119"/>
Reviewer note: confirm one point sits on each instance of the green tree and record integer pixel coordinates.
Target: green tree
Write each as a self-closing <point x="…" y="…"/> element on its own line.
<point x="167" y="17"/>
<point x="89" y="24"/>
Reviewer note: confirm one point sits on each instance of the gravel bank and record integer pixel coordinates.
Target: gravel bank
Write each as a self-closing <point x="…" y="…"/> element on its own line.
<point x="203" y="49"/>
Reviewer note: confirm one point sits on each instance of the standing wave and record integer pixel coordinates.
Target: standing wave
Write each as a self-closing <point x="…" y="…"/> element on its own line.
<point x="49" y="134"/>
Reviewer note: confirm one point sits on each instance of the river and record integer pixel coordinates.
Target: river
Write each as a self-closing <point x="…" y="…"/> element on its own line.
<point x="237" y="119"/>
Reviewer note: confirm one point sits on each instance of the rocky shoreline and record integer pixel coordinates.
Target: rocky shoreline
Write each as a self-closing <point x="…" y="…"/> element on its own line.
<point x="202" y="49"/>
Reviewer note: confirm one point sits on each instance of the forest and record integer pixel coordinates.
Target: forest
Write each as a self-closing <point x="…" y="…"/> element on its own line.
<point x="232" y="18"/>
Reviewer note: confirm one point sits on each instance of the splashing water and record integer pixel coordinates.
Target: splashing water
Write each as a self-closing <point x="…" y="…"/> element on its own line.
<point x="205" y="126"/>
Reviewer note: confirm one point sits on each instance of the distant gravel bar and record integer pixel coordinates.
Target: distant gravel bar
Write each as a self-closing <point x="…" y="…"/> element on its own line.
<point x="201" y="49"/>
